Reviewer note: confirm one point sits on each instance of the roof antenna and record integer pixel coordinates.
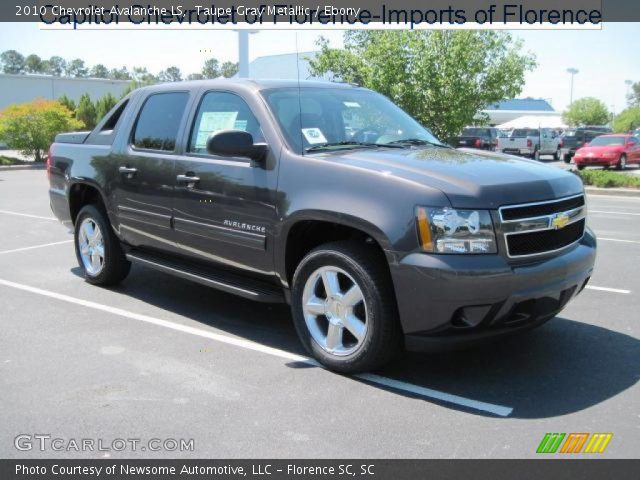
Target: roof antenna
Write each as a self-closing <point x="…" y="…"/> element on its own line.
<point x="299" y="94"/>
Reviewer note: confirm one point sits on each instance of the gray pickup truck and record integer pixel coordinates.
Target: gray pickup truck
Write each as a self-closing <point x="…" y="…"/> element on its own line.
<point x="328" y="197"/>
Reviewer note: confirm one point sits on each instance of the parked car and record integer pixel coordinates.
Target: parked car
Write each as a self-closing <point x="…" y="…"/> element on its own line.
<point x="530" y="142"/>
<point x="483" y="138"/>
<point x="574" y="138"/>
<point x="636" y="132"/>
<point x="609" y="151"/>
<point x="378" y="235"/>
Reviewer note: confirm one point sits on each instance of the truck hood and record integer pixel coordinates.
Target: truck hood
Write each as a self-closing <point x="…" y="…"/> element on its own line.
<point x="469" y="178"/>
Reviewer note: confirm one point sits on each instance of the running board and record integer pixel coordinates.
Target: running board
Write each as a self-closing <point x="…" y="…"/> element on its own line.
<point x="220" y="280"/>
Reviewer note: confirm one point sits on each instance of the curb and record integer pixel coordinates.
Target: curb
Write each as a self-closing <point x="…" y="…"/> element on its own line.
<point x="623" y="192"/>
<point x="9" y="168"/>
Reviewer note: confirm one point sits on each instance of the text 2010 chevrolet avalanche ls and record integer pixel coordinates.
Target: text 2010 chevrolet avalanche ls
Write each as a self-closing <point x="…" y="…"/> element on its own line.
<point x="328" y="197"/>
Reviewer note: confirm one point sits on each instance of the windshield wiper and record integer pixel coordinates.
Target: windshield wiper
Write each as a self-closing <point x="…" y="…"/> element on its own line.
<point x="417" y="141"/>
<point x="350" y="144"/>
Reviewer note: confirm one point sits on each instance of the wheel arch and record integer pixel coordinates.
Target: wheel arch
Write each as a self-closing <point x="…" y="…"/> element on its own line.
<point x="305" y="230"/>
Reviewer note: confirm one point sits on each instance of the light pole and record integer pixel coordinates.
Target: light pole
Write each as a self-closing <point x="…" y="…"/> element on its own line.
<point x="572" y="72"/>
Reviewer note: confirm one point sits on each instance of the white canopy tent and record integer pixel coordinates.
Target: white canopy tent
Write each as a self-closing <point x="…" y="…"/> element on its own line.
<point x="534" y="121"/>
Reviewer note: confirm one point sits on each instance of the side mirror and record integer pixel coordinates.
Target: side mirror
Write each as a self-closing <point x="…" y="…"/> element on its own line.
<point x="235" y="143"/>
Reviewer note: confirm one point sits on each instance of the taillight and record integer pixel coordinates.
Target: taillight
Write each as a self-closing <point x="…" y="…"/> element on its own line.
<point x="49" y="162"/>
<point x="529" y="143"/>
<point x="561" y="145"/>
<point x="478" y="143"/>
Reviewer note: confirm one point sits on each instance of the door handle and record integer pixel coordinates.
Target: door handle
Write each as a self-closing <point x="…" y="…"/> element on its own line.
<point x="130" y="172"/>
<point x="189" y="180"/>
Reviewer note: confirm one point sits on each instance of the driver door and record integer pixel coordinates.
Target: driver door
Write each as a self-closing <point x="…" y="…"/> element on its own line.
<point x="224" y="207"/>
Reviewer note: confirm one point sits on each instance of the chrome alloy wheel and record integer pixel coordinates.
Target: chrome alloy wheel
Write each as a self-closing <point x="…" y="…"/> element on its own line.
<point x="91" y="246"/>
<point x="334" y="310"/>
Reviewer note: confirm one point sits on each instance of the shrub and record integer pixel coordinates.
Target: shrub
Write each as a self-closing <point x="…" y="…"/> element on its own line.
<point x="31" y="127"/>
<point x="606" y="179"/>
<point x="86" y="112"/>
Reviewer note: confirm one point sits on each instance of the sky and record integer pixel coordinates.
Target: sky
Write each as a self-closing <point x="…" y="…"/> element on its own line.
<point x="605" y="58"/>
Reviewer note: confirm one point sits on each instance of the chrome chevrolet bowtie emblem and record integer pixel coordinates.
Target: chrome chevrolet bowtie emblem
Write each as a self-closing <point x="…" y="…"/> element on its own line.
<point x="559" y="220"/>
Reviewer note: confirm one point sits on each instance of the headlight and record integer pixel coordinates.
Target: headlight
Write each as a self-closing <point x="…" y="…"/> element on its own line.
<point x="447" y="230"/>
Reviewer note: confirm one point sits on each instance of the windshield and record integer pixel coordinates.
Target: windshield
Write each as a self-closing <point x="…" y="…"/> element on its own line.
<point x="316" y="119"/>
<point x="603" y="141"/>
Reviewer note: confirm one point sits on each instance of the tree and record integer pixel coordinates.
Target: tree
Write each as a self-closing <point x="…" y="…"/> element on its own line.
<point x="120" y="74"/>
<point x="586" y="111"/>
<point x="228" y="69"/>
<point x="57" y="66"/>
<point x="99" y="71"/>
<point x="442" y="78"/>
<point x="143" y="77"/>
<point x="634" y="96"/>
<point x="171" y="74"/>
<point x="31" y="127"/>
<point x="627" y="120"/>
<point x="34" y="64"/>
<point x="104" y="105"/>
<point x="12" y="62"/>
<point x="68" y="103"/>
<point x="76" y="68"/>
<point x="86" y="111"/>
<point x="211" y="68"/>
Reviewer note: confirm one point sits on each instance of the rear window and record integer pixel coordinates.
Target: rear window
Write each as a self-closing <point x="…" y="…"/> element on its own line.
<point x="159" y="121"/>
<point x="525" y="132"/>
<point x="476" y="132"/>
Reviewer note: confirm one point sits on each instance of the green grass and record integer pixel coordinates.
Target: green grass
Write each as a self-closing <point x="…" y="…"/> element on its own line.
<point x="10" y="161"/>
<point x="606" y="179"/>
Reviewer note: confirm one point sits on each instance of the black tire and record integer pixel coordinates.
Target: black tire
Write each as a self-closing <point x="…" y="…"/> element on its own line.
<point x="580" y="167"/>
<point x="566" y="158"/>
<point x="556" y="156"/>
<point x="622" y="163"/>
<point x="383" y="337"/>
<point x="535" y="155"/>
<point x="115" y="264"/>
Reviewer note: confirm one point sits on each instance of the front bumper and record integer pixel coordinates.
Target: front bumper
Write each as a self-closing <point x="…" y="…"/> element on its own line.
<point x="446" y="301"/>
<point x="596" y="162"/>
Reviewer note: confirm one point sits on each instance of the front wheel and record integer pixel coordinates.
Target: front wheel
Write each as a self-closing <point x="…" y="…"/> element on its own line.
<point x="344" y="308"/>
<point x="622" y="163"/>
<point x="98" y="249"/>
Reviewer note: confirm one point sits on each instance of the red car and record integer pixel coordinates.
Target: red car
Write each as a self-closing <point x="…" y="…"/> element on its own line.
<point x="609" y="151"/>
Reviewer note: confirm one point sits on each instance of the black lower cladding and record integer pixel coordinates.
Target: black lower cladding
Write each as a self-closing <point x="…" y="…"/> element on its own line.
<point x="544" y="241"/>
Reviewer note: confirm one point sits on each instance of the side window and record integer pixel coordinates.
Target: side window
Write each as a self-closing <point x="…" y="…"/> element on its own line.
<point x="110" y="124"/>
<point x="222" y="111"/>
<point x="159" y="121"/>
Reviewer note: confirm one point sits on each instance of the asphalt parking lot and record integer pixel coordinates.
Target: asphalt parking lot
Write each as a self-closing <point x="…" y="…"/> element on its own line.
<point x="161" y="357"/>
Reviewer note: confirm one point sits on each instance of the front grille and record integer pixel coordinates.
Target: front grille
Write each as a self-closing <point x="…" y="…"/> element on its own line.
<point x="537" y="210"/>
<point x="545" y="240"/>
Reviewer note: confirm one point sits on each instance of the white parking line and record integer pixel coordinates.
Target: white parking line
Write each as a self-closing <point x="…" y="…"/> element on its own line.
<point x="606" y="289"/>
<point x="28" y="215"/>
<point x="614" y="213"/>
<point x="35" y="246"/>
<point x="498" y="410"/>
<point x="618" y="240"/>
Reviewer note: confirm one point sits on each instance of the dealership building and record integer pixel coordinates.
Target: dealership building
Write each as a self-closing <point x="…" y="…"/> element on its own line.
<point x="24" y="88"/>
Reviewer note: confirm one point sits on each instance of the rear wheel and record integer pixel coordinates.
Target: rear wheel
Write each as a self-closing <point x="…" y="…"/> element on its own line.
<point x="622" y="163"/>
<point x="556" y="155"/>
<point x="536" y="154"/>
<point x="344" y="309"/>
<point x="98" y="249"/>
